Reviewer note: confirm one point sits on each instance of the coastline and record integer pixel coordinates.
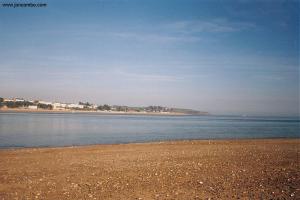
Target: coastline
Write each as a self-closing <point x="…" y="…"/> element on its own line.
<point x="92" y="112"/>
<point x="154" y="142"/>
<point x="188" y="169"/>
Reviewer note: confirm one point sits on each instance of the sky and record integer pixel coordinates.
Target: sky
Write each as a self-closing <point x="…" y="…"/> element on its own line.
<point x="223" y="57"/>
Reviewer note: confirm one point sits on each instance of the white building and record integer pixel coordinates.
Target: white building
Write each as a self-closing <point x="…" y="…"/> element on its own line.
<point x="33" y="107"/>
<point x="59" y="106"/>
<point x="72" y="105"/>
<point x="45" y="102"/>
<point x="56" y="106"/>
<point x="8" y="100"/>
<point x="19" y="100"/>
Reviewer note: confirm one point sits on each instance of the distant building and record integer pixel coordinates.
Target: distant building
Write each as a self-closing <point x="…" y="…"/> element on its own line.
<point x="59" y="106"/>
<point x="8" y="100"/>
<point x="33" y="107"/>
<point x="19" y="100"/>
<point x="94" y="106"/>
<point x="113" y="108"/>
<point x="45" y="102"/>
<point x="72" y="105"/>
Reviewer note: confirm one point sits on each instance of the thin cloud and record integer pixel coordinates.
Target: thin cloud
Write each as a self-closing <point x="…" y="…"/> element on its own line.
<point x="160" y="38"/>
<point x="146" y="77"/>
<point x="212" y="26"/>
<point x="186" y="30"/>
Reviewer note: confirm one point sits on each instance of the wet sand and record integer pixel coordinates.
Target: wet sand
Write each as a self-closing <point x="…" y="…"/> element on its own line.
<point x="223" y="169"/>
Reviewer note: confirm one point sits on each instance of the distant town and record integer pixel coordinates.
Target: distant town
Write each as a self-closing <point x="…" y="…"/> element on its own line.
<point x="40" y="105"/>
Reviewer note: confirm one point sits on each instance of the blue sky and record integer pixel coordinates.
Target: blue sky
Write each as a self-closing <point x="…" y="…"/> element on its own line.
<point x="224" y="57"/>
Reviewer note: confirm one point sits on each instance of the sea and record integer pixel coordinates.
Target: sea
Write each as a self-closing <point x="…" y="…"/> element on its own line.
<point x="74" y="129"/>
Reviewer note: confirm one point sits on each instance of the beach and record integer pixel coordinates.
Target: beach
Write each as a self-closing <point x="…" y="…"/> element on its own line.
<point x="199" y="169"/>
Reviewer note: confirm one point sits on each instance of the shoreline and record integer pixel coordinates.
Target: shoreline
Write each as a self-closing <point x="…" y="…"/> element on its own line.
<point x="213" y="140"/>
<point x="92" y="112"/>
<point x="219" y="169"/>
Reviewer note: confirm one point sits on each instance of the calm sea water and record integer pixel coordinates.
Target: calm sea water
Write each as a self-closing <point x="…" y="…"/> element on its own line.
<point x="40" y="129"/>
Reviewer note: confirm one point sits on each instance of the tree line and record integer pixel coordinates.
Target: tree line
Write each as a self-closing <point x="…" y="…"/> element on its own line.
<point x="22" y="104"/>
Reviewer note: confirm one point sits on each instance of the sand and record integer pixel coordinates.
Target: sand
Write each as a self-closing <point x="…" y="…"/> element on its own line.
<point x="223" y="169"/>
